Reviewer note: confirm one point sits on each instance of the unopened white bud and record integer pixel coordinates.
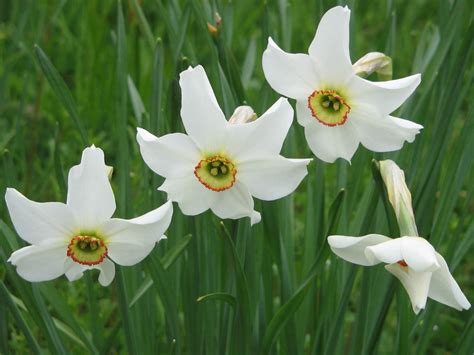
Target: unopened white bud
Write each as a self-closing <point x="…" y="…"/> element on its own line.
<point x="243" y="114"/>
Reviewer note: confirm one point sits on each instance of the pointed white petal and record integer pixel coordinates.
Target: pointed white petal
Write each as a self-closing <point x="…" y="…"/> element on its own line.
<point x="192" y="197"/>
<point x="292" y="75"/>
<point x="382" y="133"/>
<point x="388" y="252"/>
<point x="38" y="222"/>
<point x="235" y="203"/>
<point x="107" y="272"/>
<point x="172" y="155"/>
<point x="262" y="136"/>
<point x="89" y="193"/>
<point x="40" y="263"/>
<point x="202" y="117"/>
<point x="415" y="283"/>
<point x="352" y="248"/>
<point x="419" y="254"/>
<point x="272" y="177"/>
<point x="130" y="241"/>
<point x="386" y="96"/>
<point x="331" y="143"/>
<point x="330" y="47"/>
<point x="444" y="288"/>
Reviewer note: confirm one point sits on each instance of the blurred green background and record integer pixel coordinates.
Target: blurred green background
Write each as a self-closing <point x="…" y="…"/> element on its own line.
<point x="275" y="289"/>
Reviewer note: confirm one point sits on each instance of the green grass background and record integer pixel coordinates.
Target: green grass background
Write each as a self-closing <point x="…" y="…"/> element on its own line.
<point x="273" y="288"/>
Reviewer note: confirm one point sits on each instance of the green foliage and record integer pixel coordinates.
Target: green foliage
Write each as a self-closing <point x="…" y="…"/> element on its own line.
<point x="77" y="72"/>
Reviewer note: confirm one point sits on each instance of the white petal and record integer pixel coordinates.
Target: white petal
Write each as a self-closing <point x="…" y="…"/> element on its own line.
<point x="262" y="136"/>
<point x="40" y="263"/>
<point x="415" y="283"/>
<point x="444" y="288"/>
<point x="38" y="222"/>
<point x="330" y="47"/>
<point x="107" y="272"/>
<point x="272" y="177"/>
<point x="331" y="143"/>
<point x="419" y="254"/>
<point x="352" y="248"/>
<point x="89" y="193"/>
<point x="192" y="197"/>
<point x="235" y="203"/>
<point x="172" y="155"/>
<point x="303" y="113"/>
<point x="381" y="133"/>
<point x="130" y="241"/>
<point x="386" y="96"/>
<point x="202" y="117"/>
<point x="292" y="75"/>
<point x="388" y="252"/>
<point x="74" y="271"/>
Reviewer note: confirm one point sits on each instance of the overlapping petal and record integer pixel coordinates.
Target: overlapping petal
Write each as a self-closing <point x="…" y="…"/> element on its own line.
<point x="292" y="75"/>
<point x="202" y="117"/>
<point x="172" y="155"/>
<point x="331" y="143"/>
<point x="262" y="136"/>
<point x="353" y="249"/>
<point x="40" y="262"/>
<point x="272" y="177"/>
<point x="330" y="47"/>
<point x="415" y="283"/>
<point x="381" y="133"/>
<point x="386" y="96"/>
<point x="130" y="241"/>
<point x="192" y="197"/>
<point x="235" y="203"/>
<point x="419" y="254"/>
<point x="90" y="195"/>
<point x="39" y="223"/>
<point x="445" y="289"/>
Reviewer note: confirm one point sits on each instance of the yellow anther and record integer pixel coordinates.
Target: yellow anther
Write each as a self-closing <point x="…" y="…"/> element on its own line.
<point x="326" y="103"/>
<point x="216" y="163"/>
<point x="223" y="169"/>
<point x="330" y="97"/>
<point x="336" y="105"/>
<point x="214" y="171"/>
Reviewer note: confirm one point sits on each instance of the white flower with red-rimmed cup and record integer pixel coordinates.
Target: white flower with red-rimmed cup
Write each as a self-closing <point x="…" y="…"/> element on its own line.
<point x="220" y="164"/>
<point x="422" y="271"/>
<point x="337" y="108"/>
<point x="81" y="235"/>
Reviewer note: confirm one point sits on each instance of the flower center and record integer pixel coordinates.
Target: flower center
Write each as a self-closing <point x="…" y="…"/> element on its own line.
<point x="216" y="173"/>
<point x="402" y="263"/>
<point x="328" y="107"/>
<point x="87" y="250"/>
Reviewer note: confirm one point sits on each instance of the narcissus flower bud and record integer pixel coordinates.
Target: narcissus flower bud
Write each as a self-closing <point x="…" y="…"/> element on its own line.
<point x="243" y="114"/>
<point x="374" y="62"/>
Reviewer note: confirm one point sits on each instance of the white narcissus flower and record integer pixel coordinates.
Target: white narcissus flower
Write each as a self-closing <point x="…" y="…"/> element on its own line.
<point x="81" y="235"/>
<point x="337" y="108"/>
<point x="219" y="165"/>
<point x="422" y="271"/>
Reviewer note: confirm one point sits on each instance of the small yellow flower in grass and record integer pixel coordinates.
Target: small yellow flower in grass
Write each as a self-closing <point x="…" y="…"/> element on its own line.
<point x="81" y="235"/>
<point x="337" y="108"/>
<point x="422" y="271"/>
<point x="220" y="164"/>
